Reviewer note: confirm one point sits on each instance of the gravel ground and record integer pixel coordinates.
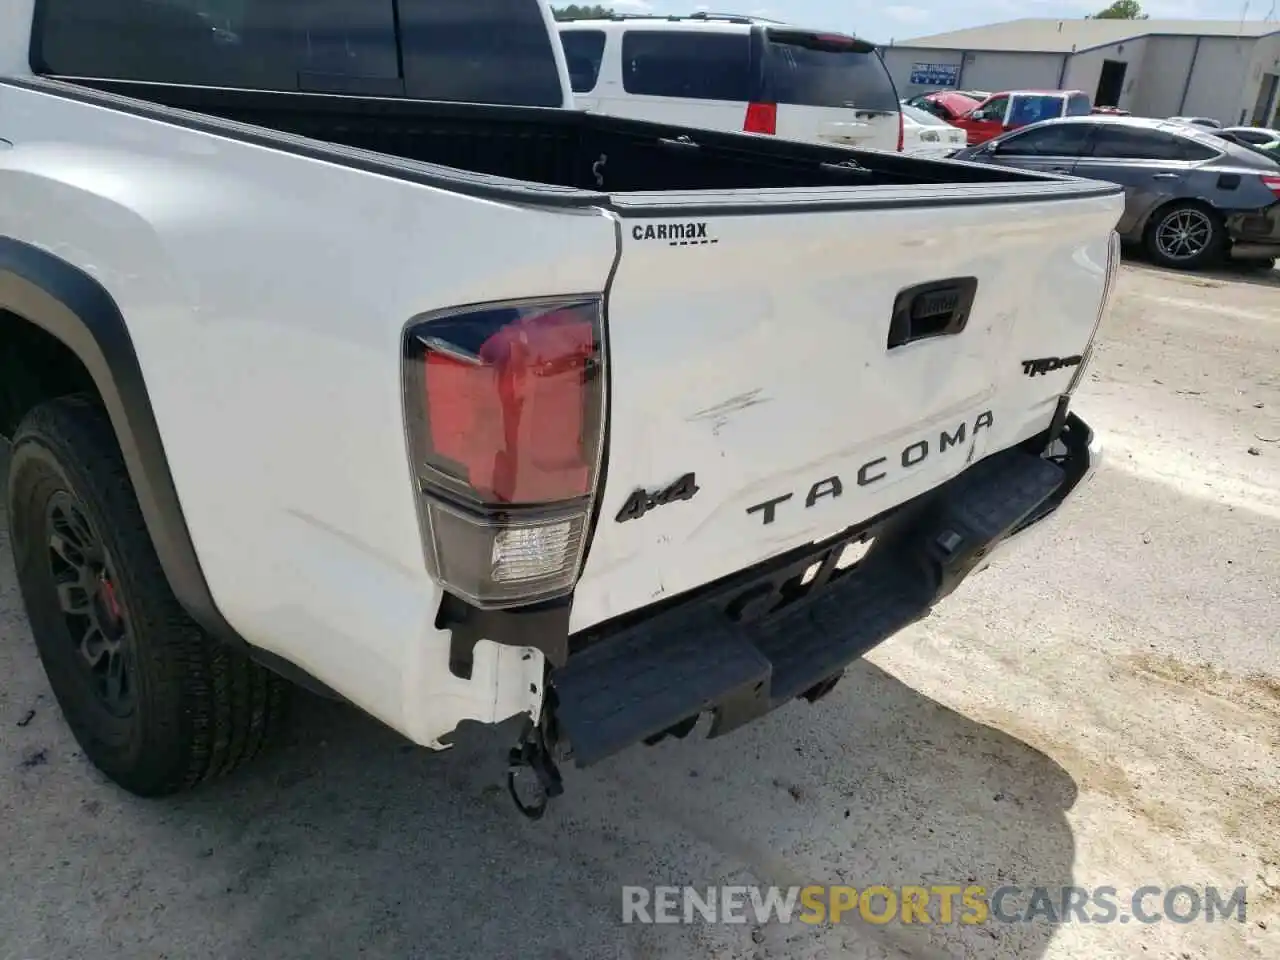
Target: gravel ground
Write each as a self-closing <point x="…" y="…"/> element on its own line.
<point x="1102" y="707"/>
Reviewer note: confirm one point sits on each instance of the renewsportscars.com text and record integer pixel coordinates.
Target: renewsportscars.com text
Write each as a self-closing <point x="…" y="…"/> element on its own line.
<point x="936" y="904"/>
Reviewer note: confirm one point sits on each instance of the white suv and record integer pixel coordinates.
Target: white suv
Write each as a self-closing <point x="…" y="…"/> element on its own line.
<point x="734" y="73"/>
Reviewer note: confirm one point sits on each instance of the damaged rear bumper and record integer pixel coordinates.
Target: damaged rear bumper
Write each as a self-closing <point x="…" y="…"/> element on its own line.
<point x="744" y="646"/>
<point x="1255" y="234"/>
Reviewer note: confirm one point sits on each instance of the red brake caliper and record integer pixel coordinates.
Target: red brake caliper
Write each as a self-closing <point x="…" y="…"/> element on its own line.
<point x="109" y="598"/>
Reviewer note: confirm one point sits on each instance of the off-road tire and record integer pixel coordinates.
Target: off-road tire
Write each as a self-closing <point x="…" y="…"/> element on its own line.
<point x="200" y="707"/>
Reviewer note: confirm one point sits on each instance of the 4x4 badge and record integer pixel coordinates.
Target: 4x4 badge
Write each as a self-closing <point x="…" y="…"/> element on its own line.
<point x="642" y="501"/>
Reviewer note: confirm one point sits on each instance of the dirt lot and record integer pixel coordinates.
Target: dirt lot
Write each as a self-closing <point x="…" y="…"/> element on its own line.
<point x="1101" y="708"/>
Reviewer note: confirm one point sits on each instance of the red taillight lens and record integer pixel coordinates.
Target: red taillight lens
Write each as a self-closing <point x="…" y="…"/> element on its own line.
<point x="1272" y="184"/>
<point x="761" y="118"/>
<point x="510" y="420"/>
<point x="901" y="131"/>
<point x="833" y="41"/>
<point x="505" y="406"/>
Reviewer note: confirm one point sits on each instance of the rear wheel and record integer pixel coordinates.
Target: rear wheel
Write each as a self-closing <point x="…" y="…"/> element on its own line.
<point x="155" y="704"/>
<point x="1186" y="236"/>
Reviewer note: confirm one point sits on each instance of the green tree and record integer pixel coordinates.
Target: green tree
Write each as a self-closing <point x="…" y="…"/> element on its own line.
<point x="576" y="11"/>
<point x="1121" y="10"/>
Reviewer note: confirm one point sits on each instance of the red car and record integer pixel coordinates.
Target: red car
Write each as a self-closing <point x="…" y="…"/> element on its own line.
<point x="946" y="105"/>
<point x="1002" y="112"/>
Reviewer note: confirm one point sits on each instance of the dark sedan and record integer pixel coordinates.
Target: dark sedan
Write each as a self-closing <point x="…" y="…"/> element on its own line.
<point x="1190" y="198"/>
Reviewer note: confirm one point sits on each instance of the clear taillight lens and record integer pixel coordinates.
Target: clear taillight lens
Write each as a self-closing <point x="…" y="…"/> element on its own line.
<point x="505" y="412"/>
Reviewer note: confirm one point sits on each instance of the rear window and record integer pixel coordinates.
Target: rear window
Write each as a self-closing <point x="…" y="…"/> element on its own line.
<point x="1078" y="105"/>
<point x="1032" y="109"/>
<point x="931" y="107"/>
<point x="1050" y="140"/>
<point x="1249" y="155"/>
<point x="583" y="52"/>
<point x="693" y="65"/>
<point x="923" y="117"/>
<point x="1253" y="136"/>
<point x="1114" y="141"/>
<point x="814" y="70"/>
<point x="472" y="51"/>
<point x="475" y="51"/>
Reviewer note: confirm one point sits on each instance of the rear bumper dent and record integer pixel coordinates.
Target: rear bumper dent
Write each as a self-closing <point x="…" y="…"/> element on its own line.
<point x="1080" y="469"/>
<point x="743" y="647"/>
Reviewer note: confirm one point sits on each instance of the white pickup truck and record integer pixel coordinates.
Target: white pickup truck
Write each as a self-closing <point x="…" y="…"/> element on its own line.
<point x="318" y="366"/>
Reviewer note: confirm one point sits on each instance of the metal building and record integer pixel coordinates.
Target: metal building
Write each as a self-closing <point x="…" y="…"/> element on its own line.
<point x="1225" y="69"/>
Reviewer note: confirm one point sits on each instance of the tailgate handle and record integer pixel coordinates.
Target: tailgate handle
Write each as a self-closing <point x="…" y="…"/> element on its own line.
<point x="939" y="308"/>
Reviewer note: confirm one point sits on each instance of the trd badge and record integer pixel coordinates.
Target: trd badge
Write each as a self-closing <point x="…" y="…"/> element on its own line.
<point x="642" y="501"/>
<point x="1046" y="365"/>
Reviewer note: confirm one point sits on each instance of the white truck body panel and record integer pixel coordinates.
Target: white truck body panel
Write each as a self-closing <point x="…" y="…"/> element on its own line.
<point x="15" y="38"/>
<point x="278" y="392"/>
<point x="267" y="294"/>
<point x="760" y="363"/>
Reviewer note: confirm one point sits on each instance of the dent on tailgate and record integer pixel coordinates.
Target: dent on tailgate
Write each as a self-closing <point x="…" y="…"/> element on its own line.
<point x="763" y="397"/>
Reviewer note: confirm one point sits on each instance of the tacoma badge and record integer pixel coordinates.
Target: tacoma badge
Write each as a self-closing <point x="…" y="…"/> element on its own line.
<point x="875" y="470"/>
<point x="641" y="502"/>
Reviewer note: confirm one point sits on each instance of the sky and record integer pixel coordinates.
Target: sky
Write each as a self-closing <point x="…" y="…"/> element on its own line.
<point x="903" y="19"/>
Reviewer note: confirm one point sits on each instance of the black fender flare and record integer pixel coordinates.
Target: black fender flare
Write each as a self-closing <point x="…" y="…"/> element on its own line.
<point x="76" y="309"/>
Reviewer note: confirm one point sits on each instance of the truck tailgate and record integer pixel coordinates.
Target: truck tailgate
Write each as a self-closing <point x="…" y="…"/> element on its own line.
<point x="814" y="358"/>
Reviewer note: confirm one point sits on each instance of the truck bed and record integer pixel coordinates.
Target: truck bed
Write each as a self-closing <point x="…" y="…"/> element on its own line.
<point x="561" y="148"/>
<point x="814" y="348"/>
<point x="830" y="342"/>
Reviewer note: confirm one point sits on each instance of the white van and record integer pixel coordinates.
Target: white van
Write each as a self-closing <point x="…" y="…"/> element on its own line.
<point x="734" y="73"/>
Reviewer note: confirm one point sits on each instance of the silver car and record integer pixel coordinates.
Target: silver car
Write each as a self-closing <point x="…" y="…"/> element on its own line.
<point x="1191" y="198"/>
<point x="1207" y="122"/>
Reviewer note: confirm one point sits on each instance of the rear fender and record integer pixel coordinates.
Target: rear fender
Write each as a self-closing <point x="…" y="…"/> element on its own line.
<point x="264" y="344"/>
<point x="74" y="308"/>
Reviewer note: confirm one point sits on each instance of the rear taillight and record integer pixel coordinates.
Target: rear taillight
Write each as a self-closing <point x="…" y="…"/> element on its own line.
<point x="761" y="118"/>
<point x="1272" y="184"/>
<point x="505" y="411"/>
<point x="901" y="131"/>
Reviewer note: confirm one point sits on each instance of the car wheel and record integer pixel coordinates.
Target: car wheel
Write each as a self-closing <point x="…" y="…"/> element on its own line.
<point x="155" y="704"/>
<point x="1186" y="236"/>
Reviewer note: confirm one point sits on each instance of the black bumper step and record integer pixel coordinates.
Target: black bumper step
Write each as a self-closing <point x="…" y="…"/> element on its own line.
<point x="645" y="678"/>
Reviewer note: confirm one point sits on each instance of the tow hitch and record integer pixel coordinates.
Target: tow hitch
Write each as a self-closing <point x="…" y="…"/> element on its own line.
<point x="533" y="778"/>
